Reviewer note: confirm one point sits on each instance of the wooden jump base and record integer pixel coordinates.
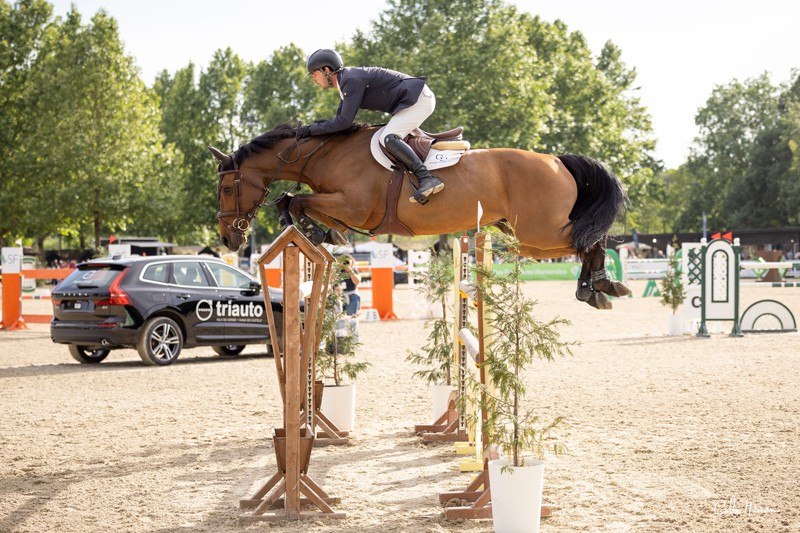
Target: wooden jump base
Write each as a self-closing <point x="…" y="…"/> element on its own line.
<point x="282" y="495"/>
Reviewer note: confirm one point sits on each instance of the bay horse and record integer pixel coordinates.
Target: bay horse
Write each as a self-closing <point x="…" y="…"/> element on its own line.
<point x="556" y="206"/>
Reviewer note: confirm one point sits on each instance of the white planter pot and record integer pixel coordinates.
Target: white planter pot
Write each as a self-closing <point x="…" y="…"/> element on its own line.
<point x="339" y="405"/>
<point x="675" y="325"/>
<point x="440" y="394"/>
<point x="516" y="496"/>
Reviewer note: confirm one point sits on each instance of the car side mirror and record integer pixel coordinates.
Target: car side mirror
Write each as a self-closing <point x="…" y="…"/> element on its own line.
<point x="253" y="288"/>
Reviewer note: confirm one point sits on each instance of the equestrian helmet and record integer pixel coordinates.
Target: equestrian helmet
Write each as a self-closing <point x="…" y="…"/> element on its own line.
<point x="324" y="57"/>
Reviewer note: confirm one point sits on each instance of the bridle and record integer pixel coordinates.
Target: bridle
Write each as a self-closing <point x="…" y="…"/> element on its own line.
<point x="243" y="221"/>
<point x="240" y="223"/>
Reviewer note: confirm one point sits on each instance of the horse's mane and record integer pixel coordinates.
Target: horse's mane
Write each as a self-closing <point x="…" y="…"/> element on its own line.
<point x="269" y="139"/>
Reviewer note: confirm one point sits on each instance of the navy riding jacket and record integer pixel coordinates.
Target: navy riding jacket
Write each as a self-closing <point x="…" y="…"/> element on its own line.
<point x="373" y="88"/>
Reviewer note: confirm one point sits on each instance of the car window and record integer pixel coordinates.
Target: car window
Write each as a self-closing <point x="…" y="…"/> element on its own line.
<point x="189" y="274"/>
<point x="158" y="272"/>
<point x="228" y="277"/>
<point x="91" y="277"/>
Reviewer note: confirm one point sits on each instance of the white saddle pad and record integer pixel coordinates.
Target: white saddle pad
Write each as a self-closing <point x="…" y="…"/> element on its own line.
<point x="436" y="158"/>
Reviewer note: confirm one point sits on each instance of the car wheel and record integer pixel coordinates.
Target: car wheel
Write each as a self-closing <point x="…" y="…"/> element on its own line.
<point x="232" y="349"/>
<point x="85" y="354"/>
<point x="161" y="341"/>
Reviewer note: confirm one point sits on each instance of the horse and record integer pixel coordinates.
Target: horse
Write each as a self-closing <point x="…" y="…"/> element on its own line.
<point x="556" y="205"/>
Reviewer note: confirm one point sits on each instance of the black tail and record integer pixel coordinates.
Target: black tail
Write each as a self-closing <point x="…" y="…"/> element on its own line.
<point x="601" y="199"/>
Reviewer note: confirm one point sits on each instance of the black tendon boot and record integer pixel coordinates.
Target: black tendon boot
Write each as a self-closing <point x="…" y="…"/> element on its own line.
<point x="428" y="183"/>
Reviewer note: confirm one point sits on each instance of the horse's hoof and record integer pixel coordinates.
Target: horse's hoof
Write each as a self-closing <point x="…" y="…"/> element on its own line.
<point x="611" y="287"/>
<point x="620" y="289"/>
<point x="584" y="293"/>
<point x="335" y="237"/>
<point x="598" y="300"/>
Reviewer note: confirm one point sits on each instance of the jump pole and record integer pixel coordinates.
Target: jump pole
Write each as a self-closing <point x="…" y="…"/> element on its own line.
<point x="279" y="499"/>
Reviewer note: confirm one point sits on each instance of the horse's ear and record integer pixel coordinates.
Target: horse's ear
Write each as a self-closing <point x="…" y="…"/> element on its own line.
<point x="222" y="158"/>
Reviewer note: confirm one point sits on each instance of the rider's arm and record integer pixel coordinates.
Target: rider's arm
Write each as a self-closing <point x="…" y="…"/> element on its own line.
<point x="352" y="94"/>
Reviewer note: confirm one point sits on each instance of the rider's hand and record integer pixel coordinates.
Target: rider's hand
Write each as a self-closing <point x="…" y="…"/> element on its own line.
<point x="303" y="131"/>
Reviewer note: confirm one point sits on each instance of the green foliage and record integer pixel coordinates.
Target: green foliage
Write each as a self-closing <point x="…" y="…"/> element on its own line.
<point x="742" y="171"/>
<point x="90" y="151"/>
<point x="672" y="292"/>
<point x="337" y="349"/>
<point x="437" y="355"/>
<point x="518" y="339"/>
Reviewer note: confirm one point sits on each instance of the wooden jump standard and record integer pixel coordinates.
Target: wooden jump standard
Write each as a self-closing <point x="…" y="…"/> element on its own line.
<point x="329" y="433"/>
<point x="280" y="497"/>
<point x="478" y="492"/>
<point x="451" y="426"/>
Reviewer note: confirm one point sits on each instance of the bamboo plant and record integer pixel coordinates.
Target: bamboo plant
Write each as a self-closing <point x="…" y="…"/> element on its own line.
<point x="518" y="339"/>
<point x="437" y="355"/>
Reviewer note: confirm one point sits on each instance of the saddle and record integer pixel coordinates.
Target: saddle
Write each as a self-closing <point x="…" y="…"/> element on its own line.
<point x="448" y="147"/>
<point x="421" y="142"/>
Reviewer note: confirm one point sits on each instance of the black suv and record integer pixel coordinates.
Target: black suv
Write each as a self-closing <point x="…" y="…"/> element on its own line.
<point x="160" y="305"/>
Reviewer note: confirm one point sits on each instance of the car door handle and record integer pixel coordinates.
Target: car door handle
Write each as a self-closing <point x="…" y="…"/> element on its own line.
<point x="184" y="296"/>
<point x="232" y="298"/>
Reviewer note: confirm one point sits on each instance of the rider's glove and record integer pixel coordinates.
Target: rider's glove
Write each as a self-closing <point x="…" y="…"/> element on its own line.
<point x="303" y="131"/>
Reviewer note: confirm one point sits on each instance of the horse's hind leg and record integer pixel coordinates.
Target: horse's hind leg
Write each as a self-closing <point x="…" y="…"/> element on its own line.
<point x="594" y="283"/>
<point x="586" y="292"/>
<point x="600" y="280"/>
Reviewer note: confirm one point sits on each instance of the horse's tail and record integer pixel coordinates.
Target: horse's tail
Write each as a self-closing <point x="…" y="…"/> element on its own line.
<point x="601" y="199"/>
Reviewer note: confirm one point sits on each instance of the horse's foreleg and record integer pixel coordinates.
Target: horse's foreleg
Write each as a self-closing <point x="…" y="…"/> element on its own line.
<point x="304" y="207"/>
<point x="282" y="205"/>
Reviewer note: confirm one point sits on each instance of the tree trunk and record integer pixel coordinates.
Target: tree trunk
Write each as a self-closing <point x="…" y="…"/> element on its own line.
<point x="96" y="220"/>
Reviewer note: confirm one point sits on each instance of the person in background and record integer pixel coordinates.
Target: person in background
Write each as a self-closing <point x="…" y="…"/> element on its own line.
<point x="351" y="282"/>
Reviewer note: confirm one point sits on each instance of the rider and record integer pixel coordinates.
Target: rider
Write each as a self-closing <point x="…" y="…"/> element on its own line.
<point x="409" y="100"/>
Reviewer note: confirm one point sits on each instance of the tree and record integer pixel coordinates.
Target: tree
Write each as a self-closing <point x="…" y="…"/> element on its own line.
<point x="741" y="171"/>
<point x="23" y="28"/>
<point x="92" y="149"/>
<point x="193" y="115"/>
<point x="277" y="91"/>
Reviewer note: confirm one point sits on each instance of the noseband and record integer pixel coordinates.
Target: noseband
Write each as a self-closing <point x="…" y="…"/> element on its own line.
<point x="240" y="224"/>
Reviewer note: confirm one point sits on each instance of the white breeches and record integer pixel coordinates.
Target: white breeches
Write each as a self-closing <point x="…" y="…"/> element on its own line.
<point x="407" y="120"/>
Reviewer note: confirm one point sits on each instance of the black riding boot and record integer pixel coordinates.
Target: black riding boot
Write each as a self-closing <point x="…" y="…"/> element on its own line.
<point x="428" y="183"/>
